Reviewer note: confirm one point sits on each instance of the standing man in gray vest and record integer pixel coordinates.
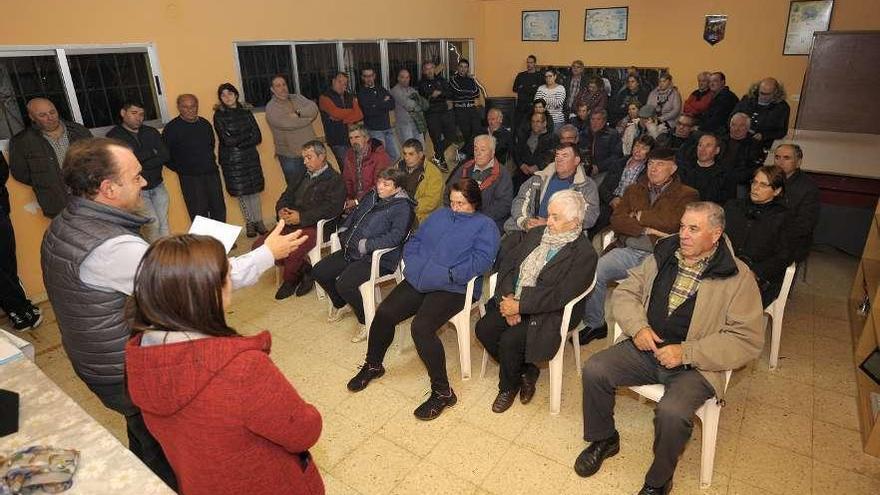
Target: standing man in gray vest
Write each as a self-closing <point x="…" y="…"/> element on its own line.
<point x="90" y="255"/>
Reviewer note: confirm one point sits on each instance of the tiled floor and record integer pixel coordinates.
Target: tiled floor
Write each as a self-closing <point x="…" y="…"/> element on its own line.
<point x="794" y="430"/>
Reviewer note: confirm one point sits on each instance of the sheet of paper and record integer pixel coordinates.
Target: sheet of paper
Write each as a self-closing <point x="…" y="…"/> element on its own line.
<point x="8" y="351"/>
<point x="223" y="232"/>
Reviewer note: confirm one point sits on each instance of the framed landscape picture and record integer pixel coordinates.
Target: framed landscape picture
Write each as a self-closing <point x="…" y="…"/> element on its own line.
<point x="607" y="24"/>
<point x="804" y="19"/>
<point x="540" y="25"/>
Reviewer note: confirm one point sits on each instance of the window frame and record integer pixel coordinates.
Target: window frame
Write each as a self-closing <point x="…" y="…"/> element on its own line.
<point x="340" y="57"/>
<point x="60" y="52"/>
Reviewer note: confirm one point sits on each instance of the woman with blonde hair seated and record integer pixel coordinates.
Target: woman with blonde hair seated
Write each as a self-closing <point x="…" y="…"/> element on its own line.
<point x="227" y="418"/>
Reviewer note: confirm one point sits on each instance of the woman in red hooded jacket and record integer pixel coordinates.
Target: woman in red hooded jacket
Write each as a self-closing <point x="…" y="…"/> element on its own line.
<point x="226" y="417"/>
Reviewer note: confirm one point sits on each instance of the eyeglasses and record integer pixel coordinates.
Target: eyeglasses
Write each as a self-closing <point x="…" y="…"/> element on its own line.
<point x="762" y="185"/>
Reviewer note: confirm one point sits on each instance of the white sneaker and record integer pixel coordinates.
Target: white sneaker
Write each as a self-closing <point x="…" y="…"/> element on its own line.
<point x="361" y="336"/>
<point x="337" y="314"/>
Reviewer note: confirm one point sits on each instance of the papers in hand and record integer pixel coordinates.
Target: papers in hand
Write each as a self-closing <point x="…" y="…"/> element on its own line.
<point x="223" y="232"/>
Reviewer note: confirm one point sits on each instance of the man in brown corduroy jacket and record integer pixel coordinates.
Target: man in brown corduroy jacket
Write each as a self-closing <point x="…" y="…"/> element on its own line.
<point x="649" y="209"/>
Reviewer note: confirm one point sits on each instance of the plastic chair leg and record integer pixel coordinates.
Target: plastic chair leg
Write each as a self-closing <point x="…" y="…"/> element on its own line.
<point x="556" y="384"/>
<point x="710" y="417"/>
<point x="462" y="324"/>
<point x="576" y="348"/>
<point x="314" y="258"/>
<point x="485" y="363"/>
<point x="369" y="297"/>
<point x="775" y="340"/>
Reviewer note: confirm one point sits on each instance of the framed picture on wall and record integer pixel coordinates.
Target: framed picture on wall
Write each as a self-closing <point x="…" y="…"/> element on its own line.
<point x="805" y="17"/>
<point x="540" y="25"/>
<point x="606" y="24"/>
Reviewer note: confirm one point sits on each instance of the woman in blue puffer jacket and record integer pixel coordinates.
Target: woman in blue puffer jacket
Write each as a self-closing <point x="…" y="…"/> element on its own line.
<point x="382" y="219"/>
<point x="452" y="246"/>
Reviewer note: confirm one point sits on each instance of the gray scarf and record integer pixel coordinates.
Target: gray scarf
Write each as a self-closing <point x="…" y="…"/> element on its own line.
<point x="533" y="264"/>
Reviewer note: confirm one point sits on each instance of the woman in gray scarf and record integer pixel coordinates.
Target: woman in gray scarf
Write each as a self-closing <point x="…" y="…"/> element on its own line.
<point x="536" y="278"/>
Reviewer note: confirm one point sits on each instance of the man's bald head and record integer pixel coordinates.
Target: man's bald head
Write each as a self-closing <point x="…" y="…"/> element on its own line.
<point x="769" y="90"/>
<point x="43" y="114"/>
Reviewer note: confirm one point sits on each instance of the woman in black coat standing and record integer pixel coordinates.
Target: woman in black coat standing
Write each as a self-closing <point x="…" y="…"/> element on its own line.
<point x="239" y="136"/>
<point x="536" y="279"/>
<point x="756" y="228"/>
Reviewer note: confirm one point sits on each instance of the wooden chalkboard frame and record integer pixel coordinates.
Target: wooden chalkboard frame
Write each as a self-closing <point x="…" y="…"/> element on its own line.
<point x="840" y="82"/>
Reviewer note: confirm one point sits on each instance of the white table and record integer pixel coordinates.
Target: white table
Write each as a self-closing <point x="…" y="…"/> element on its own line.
<point x="48" y="416"/>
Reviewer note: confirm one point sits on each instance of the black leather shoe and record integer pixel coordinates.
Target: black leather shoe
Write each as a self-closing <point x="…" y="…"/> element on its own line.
<point x="504" y="400"/>
<point x="305" y="286"/>
<point x="590" y="460"/>
<point x="286" y="290"/>
<point x="650" y="490"/>
<point x="527" y="389"/>
<point x="588" y="334"/>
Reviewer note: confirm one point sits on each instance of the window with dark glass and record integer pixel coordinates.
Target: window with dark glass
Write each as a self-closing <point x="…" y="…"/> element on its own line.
<point x="258" y="64"/>
<point x="431" y="53"/>
<point x="316" y="64"/>
<point x="103" y="82"/>
<point x="360" y="56"/>
<point x="403" y="55"/>
<point x="24" y="78"/>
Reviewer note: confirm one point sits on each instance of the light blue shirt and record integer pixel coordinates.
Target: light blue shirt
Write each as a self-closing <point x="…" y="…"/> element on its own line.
<point x="112" y="265"/>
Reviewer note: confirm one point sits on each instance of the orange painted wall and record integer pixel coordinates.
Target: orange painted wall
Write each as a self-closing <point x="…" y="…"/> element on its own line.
<point x="194" y="42"/>
<point x="663" y="33"/>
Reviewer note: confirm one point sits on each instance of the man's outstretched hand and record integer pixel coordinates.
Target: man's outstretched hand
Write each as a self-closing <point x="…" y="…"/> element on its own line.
<point x="282" y="245"/>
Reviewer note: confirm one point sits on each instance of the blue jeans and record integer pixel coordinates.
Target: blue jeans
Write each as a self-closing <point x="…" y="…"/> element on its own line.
<point x="408" y="130"/>
<point x="388" y="139"/>
<point x="612" y="267"/>
<point x="155" y="206"/>
<point x="293" y="168"/>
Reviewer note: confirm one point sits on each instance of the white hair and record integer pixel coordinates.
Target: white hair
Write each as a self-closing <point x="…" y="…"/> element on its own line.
<point x="489" y="138"/>
<point x="742" y="116"/>
<point x="573" y="204"/>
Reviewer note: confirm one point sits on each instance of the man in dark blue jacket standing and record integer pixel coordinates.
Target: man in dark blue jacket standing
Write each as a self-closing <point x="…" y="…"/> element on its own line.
<point x="376" y="102"/>
<point x="441" y="125"/>
<point x="151" y="152"/>
<point x="464" y="91"/>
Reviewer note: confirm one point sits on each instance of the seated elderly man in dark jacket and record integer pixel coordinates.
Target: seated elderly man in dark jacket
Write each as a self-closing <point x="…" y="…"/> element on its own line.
<point x="690" y="312"/>
<point x="757" y="229"/>
<point x="533" y="149"/>
<point x="491" y="175"/>
<point x="536" y="279"/>
<point x="601" y="143"/>
<point x="319" y="195"/>
<point x="801" y="198"/>
<point x="766" y="106"/>
<point x="382" y="219"/>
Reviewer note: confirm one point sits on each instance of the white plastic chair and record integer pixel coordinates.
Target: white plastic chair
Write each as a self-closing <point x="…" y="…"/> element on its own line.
<point x="709" y="414"/>
<point x="555" y="363"/>
<point x="316" y="252"/>
<point x="314" y="255"/>
<point x="607" y="239"/>
<point x="462" y="323"/>
<point x="775" y="312"/>
<point x="371" y="291"/>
